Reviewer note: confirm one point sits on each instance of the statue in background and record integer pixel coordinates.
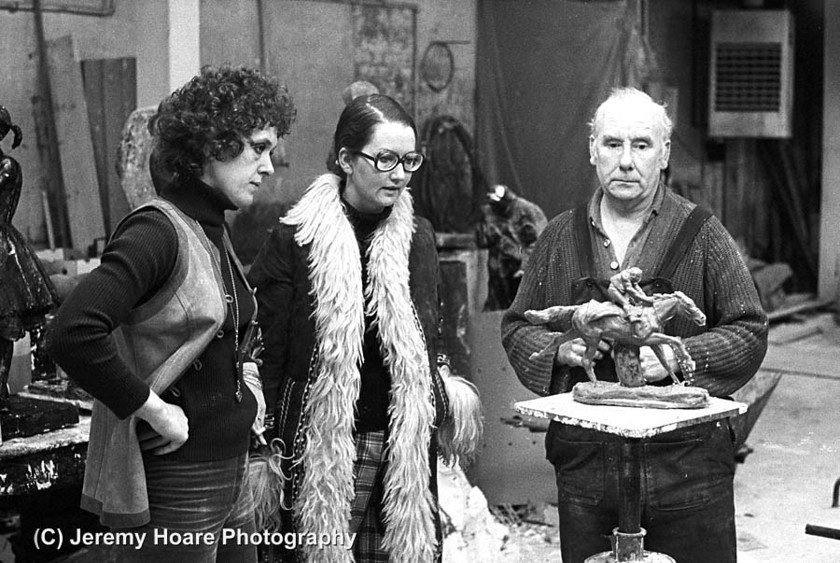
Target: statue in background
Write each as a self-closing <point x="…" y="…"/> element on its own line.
<point x="508" y="228"/>
<point x="26" y="294"/>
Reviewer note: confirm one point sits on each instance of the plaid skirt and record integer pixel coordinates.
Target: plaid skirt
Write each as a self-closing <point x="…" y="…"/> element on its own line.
<point x="366" y="510"/>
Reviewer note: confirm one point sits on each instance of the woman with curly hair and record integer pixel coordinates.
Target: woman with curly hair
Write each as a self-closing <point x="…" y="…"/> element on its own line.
<point x="159" y="333"/>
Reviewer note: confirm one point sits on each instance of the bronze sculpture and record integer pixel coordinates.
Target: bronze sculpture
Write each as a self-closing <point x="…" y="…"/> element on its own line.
<point x="26" y="294"/>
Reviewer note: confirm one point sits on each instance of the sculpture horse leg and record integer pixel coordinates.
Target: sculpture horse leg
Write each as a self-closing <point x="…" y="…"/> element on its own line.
<point x="589" y="356"/>
<point x="657" y="339"/>
<point x="660" y="354"/>
<point x="550" y="349"/>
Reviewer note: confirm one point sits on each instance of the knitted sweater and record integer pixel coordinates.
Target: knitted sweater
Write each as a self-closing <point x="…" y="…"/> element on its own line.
<point x="138" y="261"/>
<point x="372" y="404"/>
<point x="727" y="351"/>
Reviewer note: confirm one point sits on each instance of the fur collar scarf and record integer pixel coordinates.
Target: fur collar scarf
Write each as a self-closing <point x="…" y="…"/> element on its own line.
<point x="341" y="302"/>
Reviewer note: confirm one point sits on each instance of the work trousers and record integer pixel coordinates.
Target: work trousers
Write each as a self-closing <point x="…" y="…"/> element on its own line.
<point x="686" y="484"/>
<point x="192" y="505"/>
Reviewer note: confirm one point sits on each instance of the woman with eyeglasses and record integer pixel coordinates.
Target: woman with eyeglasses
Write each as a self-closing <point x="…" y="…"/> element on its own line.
<point x="347" y="286"/>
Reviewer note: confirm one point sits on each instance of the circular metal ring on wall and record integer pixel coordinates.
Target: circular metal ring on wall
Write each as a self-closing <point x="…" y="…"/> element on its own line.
<point x="438" y="66"/>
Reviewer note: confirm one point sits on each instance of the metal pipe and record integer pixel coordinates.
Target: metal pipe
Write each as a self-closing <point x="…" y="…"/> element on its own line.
<point x="261" y="34"/>
<point x="629" y="492"/>
<point x="822" y="531"/>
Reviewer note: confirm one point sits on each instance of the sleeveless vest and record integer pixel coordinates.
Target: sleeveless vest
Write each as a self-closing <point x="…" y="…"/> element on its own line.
<point x="158" y="342"/>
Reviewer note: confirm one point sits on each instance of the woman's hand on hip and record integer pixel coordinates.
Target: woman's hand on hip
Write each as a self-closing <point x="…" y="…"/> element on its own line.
<point x="169" y="426"/>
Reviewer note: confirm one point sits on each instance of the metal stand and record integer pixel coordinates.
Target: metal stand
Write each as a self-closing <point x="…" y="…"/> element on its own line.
<point x="634" y="425"/>
<point x="628" y="541"/>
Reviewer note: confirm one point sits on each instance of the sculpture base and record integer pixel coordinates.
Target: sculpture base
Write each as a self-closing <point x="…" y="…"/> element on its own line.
<point x="647" y="396"/>
<point x="23" y="416"/>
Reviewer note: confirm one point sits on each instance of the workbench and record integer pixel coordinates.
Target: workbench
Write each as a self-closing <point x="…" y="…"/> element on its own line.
<point x="40" y="480"/>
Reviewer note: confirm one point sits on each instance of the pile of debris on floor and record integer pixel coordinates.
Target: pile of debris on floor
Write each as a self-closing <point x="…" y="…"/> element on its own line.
<point x="474" y="531"/>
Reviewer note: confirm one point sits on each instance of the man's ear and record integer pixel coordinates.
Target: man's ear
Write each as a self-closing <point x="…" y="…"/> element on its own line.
<point x="592" y="159"/>
<point x="666" y="154"/>
<point x="345" y="160"/>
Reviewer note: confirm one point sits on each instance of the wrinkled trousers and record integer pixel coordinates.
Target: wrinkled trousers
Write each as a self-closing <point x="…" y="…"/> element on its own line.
<point x="192" y="505"/>
<point x="687" y="498"/>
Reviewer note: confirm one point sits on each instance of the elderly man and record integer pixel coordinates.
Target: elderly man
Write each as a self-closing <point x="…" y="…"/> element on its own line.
<point x="632" y="220"/>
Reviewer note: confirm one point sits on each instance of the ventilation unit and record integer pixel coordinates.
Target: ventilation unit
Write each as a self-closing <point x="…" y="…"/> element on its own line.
<point x="751" y="92"/>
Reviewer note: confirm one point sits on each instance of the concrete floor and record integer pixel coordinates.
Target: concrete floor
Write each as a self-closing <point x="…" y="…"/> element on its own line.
<point x="787" y="481"/>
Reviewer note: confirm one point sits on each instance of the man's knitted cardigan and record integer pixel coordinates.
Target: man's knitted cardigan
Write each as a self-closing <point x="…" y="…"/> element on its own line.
<point x="727" y="351"/>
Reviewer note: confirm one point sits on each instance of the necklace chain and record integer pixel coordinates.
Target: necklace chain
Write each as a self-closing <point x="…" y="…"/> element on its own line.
<point x="235" y="313"/>
<point x="233" y="304"/>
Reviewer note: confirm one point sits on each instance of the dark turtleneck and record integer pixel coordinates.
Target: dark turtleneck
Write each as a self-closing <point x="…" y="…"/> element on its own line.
<point x="372" y="405"/>
<point x="136" y="263"/>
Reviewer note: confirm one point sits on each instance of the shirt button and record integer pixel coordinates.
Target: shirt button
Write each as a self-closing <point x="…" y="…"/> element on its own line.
<point x="614" y="265"/>
<point x="606" y="242"/>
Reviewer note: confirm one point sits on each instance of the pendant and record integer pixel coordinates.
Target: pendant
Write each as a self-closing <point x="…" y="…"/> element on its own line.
<point x="239" y="369"/>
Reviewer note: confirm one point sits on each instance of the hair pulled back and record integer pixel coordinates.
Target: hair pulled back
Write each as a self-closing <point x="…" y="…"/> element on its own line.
<point x="357" y="122"/>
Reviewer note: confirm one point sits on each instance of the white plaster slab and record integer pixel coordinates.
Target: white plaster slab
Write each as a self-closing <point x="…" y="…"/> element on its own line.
<point x="629" y="422"/>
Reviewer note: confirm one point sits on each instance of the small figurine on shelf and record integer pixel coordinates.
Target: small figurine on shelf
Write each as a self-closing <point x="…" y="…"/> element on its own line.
<point x="26" y="293"/>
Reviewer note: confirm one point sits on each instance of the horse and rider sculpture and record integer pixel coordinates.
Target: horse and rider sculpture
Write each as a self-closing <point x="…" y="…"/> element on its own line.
<point x="632" y="319"/>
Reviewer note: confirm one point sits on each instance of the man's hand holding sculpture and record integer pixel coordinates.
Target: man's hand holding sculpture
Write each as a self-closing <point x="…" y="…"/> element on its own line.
<point x="631" y="325"/>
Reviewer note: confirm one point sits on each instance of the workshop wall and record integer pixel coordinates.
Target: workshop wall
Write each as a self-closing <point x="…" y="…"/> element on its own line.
<point x="317" y="48"/>
<point x="312" y="46"/>
<point x="94" y="37"/>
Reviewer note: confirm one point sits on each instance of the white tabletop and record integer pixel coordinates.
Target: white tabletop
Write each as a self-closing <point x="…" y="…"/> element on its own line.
<point x="630" y="422"/>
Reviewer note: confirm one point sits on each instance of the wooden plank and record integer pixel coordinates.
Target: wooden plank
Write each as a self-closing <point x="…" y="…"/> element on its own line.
<point x="110" y="92"/>
<point x="791" y="333"/>
<point x="785" y="359"/>
<point x="121" y="100"/>
<point x="86" y="7"/>
<point x="92" y="80"/>
<point x="785" y="312"/>
<point x="75" y="145"/>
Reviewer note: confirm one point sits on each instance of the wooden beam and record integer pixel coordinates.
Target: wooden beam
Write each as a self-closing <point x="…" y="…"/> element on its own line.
<point x="75" y="146"/>
<point x="111" y="95"/>
<point x="829" y="276"/>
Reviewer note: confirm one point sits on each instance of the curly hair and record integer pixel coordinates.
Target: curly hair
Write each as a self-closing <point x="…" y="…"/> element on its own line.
<point x="211" y="114"/>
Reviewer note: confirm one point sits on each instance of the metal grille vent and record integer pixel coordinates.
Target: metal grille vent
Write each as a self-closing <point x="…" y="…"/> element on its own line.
<point x="748" y="77"/>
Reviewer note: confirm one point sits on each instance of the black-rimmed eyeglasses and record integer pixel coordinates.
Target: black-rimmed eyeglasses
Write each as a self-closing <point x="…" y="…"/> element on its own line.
<point x="386" y="160"/>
